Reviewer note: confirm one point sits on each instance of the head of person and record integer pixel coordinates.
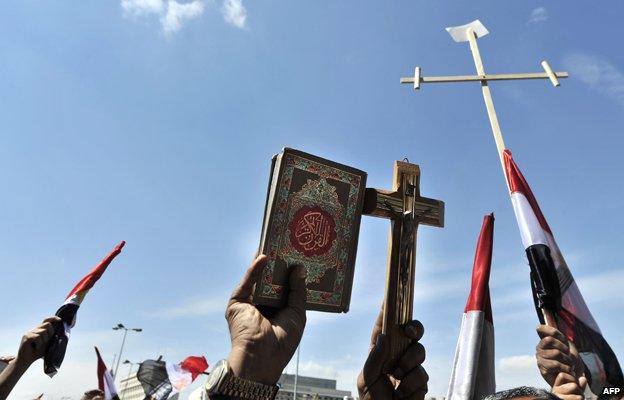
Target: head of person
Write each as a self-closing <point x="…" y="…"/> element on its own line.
<point x="93" y="395"/>
<point x="522" y="393"/>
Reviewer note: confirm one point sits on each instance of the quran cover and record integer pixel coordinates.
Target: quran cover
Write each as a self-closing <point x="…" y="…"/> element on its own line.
<point x="312" y="218"/>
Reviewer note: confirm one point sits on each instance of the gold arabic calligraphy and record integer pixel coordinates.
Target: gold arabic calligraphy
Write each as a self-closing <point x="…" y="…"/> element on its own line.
<point x="313" y="231"/>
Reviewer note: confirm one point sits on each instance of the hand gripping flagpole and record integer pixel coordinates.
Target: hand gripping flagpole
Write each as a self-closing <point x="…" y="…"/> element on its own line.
<point x="470" y="33"/>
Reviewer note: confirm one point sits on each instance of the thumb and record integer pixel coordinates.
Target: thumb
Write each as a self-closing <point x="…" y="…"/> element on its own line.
<point x="583" y="382"/>
<point x="243" y="292"/>
<point x="297" y="293"/>
<point x="563" y="378"/>
<point x="377" y="357"/>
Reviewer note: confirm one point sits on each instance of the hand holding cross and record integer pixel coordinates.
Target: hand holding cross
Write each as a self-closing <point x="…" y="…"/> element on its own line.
<point x="406" y="209"/>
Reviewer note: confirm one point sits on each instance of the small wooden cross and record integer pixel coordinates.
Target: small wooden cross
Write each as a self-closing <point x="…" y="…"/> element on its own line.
<point x="405" y="208"/>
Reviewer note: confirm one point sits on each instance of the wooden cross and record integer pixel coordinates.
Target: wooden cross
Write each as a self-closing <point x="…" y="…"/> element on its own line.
<point x="405" y="208"/>
<point x="470" y="33"/>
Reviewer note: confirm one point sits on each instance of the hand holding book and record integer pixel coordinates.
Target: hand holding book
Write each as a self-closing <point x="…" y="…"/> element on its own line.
<point x="261" y="346"/>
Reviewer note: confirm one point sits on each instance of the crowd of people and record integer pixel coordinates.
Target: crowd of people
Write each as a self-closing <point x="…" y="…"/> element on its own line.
<point x="264" y="340"/>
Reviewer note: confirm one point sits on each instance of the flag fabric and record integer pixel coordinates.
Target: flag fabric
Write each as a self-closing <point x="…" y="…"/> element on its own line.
<point x="198" y="394"/>
<point x="473" y="368"/>
<point x="106" y="383"/>
<point x="55" y="352"/>
<point x="554" y="287"/>
<point x="162" y="380"/>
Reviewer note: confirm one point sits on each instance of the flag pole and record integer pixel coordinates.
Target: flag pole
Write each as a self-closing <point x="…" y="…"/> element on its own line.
<point x="487" y="98"/>
<point x="549" y="317"/>
<point x="296" y="374"/>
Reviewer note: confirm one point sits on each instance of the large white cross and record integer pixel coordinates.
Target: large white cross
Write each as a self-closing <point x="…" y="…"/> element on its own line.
<point x="470" y="33"/>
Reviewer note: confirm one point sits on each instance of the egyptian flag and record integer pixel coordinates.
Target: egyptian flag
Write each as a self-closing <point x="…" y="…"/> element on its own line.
<point x="473" y="368"/>
<point x="162" y="380"/>
<point x="106" y="383"/>
<point x="58" y="344"/>
<point x="554" y="288"/>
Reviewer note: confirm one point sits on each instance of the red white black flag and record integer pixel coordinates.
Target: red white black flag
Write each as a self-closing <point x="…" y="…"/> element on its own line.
<point x="162" y="380"/>
<point x="56" y="350"/>
<point x="106" y="383"/>
<point x="473" y="368"/>
<point x="554" y="288"/>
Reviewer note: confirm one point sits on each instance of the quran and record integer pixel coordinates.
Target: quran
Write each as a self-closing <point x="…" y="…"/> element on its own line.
<point x="311" y="218"/>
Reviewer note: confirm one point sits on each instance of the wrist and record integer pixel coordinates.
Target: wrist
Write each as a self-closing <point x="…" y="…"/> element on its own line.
<point x="20" y="364"/>
<point x="10" y="376"/>
<point x="251" y="368"/>
<point x="223" y="384"/>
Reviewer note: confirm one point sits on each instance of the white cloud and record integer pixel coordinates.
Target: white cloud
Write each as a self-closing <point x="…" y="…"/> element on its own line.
<point x="172" y="14"/>
<point x="539" y="14"/>
<point x="178" y="13"/>
<point x="517" y="371"/>
<point x="234" y="13"/>
<point x="598" y="74"/>
<point x="139" y="8"/>
<point x="515" y="364"/>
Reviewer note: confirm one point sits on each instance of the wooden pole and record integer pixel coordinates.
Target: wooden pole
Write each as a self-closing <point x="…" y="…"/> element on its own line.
<point x="549" y="318"/>
<point x="296" y="373"/>
<point x="487" y="97"/>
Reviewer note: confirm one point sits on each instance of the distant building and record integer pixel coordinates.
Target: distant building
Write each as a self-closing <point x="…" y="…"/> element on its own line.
<point x="130" y="389"/>
<point x="309" y="388"/>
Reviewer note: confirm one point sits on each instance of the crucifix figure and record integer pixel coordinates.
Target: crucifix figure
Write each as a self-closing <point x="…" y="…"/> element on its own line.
<point x="470" y="33"/>
<point x="405" y="209"/>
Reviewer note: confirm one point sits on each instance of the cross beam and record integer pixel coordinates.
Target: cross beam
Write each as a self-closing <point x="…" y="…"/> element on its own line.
<point x="470" y="33"/>
<point x="417" y="79"/>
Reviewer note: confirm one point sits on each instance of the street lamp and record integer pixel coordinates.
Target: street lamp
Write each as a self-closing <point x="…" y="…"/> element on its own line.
<point x="121" y="326"/>
<point x="125" y="388"/>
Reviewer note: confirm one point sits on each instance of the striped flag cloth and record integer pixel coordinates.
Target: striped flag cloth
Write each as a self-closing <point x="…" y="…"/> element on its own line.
<point x="163" y="380"/>
<point x="58" y="344"/>
<point x="106" y="383"/>
<point x="473" y="368"/>
<point x="554" y="288"/>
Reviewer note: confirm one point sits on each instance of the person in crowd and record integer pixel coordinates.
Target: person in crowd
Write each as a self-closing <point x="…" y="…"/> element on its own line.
<point x="407" y="380"/>
<point x="264" y="340"/>
<point x="559" y="364"/>
<point x="554" y="355"/>
<point x="522" y="393"/>
<point x="94" y="394"/>
<point x="31" y="348"/>
<point x="4" y="362"/>
<point x="566" y="386"/>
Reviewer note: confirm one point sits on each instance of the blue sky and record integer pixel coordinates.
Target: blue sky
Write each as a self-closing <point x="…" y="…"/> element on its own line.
<point x="155" y="122"/>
